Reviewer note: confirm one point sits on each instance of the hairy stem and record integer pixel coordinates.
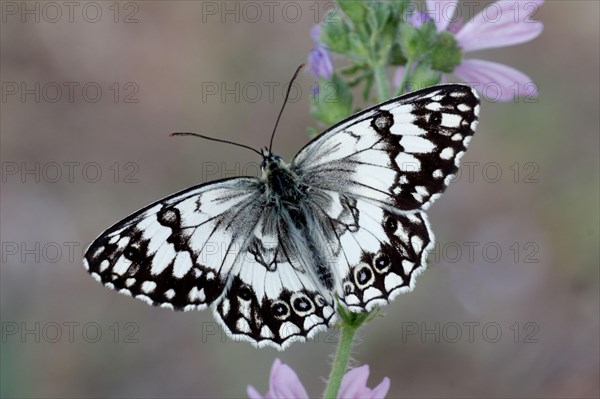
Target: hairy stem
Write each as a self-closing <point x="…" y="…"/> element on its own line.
<point x="350" y="323"/>
<point x="340" y="363"/>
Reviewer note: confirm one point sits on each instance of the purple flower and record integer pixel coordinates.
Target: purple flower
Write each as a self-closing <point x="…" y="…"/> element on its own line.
<point x="503" y="23"/>
<point x="319" y="59"/>
<point x="284" y="384"/>
<point x="418" y="18"/>
<point x="354" y="385"/>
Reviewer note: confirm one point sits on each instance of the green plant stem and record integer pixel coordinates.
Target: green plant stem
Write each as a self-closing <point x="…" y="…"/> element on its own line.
<point x="407" y="70"/>
<point x="340" y="362"/>
<point x="381" y="82"/>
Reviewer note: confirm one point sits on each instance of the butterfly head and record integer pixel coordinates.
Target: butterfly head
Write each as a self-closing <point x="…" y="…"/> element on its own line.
<point x="280" y="181"/>
<point x="270" y="161"/>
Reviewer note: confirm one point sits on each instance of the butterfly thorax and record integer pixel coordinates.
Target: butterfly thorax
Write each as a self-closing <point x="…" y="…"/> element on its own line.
<point x="282" y="184"/>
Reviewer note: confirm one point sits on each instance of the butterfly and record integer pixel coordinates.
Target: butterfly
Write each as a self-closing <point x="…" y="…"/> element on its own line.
<point x="343" y="221"/>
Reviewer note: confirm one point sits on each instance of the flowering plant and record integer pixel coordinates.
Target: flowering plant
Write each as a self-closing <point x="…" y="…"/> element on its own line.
<point x="285" y="384"/>
<point x="424" y="47"/>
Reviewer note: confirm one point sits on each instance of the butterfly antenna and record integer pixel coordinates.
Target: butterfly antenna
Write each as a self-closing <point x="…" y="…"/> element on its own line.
<point x="214" y="139"/>
<point x="287" y="94"/>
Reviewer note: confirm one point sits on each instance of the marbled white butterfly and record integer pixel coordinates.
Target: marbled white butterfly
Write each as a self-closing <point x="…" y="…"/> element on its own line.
<point x="270" y="254"/>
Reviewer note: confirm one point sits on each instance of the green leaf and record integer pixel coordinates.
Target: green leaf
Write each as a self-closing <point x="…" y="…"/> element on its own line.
<point x="395" y="19"/>
<point x="334" y="33"/>
<point x="333" y="102"/>
<point x="384" y="12"/>
<point x="390" y="29"/>
<point x="408" y="40"/>
<point x="352" y="69"/>
<point x="354" y="319"/>
<point x="377" y="16"/>
<point x="371" y="20"/>
<point x="358" y="49"/>
<point x="396" y="55"/>
<point x="354" y="9"/>
<point x="398" y="7"/>
<point x="423" y="75"/>
<point x="417" y="43"/>
<point x="356" y="80"/>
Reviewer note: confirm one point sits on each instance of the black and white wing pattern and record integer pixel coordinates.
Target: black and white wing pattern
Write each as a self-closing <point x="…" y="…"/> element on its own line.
<point x="269" y="255"/>
<point x="380" y="169"/>
<point x="274" y="308"/>
<point x="218" y="245"/>
<point x="178" y="252"/>
<point x="401" y="153"/>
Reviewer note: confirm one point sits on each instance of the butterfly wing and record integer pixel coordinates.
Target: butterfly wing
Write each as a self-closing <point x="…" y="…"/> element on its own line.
<point x="217" y="244"/>
<point x="383" y="258"/>
<point x="378" y="170"/>
<point x="401" y="153"/>
<point x="274" y="308"/>
<point x="221" y="244"/>
<point x="177" y="252"/>
<point x="378" y="253"/>
<point x="274" y="296"/>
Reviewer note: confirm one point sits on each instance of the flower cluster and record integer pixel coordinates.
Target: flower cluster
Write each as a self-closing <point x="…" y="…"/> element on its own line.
<point x="285" y="384"/>
<point x="424" y="46"/>
<point x="483" y="32"/>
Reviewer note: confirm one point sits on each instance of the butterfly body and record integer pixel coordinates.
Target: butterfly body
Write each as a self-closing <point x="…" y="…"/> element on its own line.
<point x="270" y="255"/>
<point x="282" y="185"/>
<point x="288" y="212"/>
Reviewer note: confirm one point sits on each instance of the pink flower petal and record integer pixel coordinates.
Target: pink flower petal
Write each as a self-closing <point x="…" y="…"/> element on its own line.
<point x="496" y="82"/>
<point x="253" y="393"/>
<point x="442" y="12"/>
<point x="503" y="23"/>
<point x="455" y="25"/>
<point x="284" y="383"/>
<point x="381" y="390"/>
<point x="354" y="383"/>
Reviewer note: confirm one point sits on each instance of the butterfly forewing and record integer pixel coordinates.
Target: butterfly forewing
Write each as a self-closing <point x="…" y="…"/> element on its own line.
<point x="178" y="252"/>
<point x="352" y="227"/>
<point x="380" y="168"/>
<point x="401" y="153"/>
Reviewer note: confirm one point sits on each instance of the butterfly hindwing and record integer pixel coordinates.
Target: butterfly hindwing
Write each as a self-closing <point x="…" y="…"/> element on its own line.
<point x="274" y="308"/>
<point x="376" y="253"/>
<point x="276" y="295"/>
<point x="383" y="257"/>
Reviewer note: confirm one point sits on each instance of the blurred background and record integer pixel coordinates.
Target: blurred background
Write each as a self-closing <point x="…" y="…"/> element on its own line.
<point x="509" y="306"/>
